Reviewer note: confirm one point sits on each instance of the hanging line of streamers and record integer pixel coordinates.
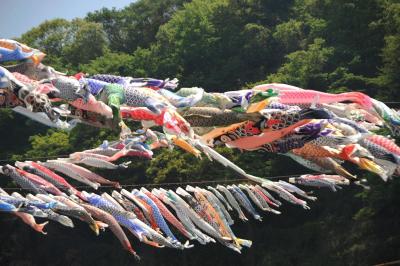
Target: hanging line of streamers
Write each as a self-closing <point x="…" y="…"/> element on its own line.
<point x="220" y="181"/>
<point x="304" y="124"/>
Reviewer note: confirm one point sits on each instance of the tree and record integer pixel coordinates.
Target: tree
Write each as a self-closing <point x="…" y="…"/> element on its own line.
<point x="305" y="68"/>
<point x="389" y="77"/>
<point x="67" y="43"/>
<point x="135" y="25"/>
<point x="110" y="63"/>
<point x="210" y="41"/>
<point x="87" y="42"/>
<point x="50" y="37"/>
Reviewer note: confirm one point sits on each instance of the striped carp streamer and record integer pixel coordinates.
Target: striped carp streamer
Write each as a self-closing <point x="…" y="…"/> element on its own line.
<point x="198" y="214"/>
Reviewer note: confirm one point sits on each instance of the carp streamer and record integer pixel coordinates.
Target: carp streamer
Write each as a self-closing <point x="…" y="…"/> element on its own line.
<point x="316" y="129"/>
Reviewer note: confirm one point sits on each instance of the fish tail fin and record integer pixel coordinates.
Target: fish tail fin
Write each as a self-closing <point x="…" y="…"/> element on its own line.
<point x="101" y="225"/>
<point x="95" y="227"/>
<point x="258" y="217"/>
<point x="210" y="239"/>
<point x="151" y="243"/>
<point x="124" y="165"/>
<point x="235" y="248"/>
<point x="360" y="98"/>
<point x="137" y="257"/>
<point x="187" y="245"/>
<point x="95" y="186"/>
<point x="133" y="252"/>
<point x="274" y="211"/>
<point x="129" y="248"/>
<point x="358" y="183"/>
<point x="40" y="228"/>
<point x="226" y="238"/>
<point x="244" y="242"/>
<point x="66" y="221"/>
<point x="343" y="172"/>
<point x="35" y="59"/>
<point x="373" y="167"/>
<point x="243" y="217"/>
<point x="390" y="167"/>
<point x="310" y="197"/>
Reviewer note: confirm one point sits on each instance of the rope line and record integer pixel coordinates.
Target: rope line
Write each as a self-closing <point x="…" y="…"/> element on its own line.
<point x="177" y="183"/>
<point x="35" y="158"/>
<point x="396" y="262"/>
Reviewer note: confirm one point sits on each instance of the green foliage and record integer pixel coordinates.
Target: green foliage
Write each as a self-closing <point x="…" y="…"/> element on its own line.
<point x="48" y="36"/>
<point x="51" y="144"/>
<point x="110" y="63"/>
<point x="185" y="40"/>
<point x="67" y="43"/>
<point x="15" y="133"/>
<point x="390" y="73"/>
<point x="290" y="34"/>
<point x="135" y="25"/>
<point x="197" y="46"/>
<point x="89" y="41"/>
<point x="305" y="68"/>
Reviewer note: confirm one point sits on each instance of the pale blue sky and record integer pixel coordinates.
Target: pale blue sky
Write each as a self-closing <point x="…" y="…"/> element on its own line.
<point x="18" y="16"/>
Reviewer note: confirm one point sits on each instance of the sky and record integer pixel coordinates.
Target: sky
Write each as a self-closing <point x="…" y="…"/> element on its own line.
<point x="18" y="16"/>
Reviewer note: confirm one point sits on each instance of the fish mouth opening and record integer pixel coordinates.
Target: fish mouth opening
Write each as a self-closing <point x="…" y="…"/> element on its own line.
<point x="5" y="170"/>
